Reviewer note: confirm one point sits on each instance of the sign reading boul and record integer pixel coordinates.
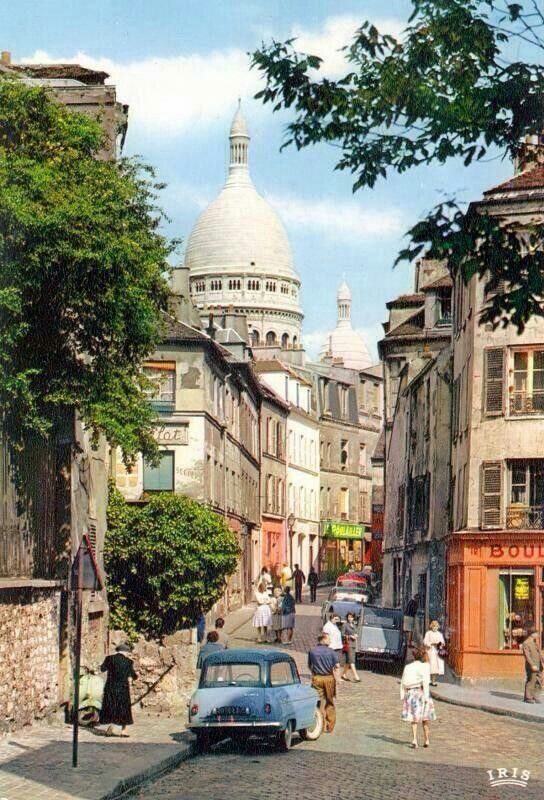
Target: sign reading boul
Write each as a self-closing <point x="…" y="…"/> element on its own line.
<point x="343" y="530"/>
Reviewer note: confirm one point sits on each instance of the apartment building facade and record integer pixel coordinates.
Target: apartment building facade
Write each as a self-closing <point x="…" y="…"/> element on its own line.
<point x="495" y="551"/>
<point x="274" y="533"/>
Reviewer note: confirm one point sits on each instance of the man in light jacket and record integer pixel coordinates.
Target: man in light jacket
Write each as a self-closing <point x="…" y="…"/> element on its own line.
<point x="533" y="665"/>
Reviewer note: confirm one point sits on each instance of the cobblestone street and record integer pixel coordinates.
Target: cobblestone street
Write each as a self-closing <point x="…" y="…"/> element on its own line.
<point x="368" y="754"/>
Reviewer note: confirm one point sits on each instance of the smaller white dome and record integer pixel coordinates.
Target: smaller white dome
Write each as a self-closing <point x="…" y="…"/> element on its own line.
<point x="344" y="343"/>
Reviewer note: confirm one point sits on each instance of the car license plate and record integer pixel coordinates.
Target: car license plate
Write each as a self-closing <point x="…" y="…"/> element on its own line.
<point x="231" y="711"/>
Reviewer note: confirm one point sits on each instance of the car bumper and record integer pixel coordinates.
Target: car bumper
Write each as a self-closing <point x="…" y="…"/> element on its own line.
<point x="233" y="724"/>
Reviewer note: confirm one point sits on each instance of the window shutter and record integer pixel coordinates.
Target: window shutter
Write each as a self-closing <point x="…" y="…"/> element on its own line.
<point x="491" y="499"/>
<point x="494" y="381"/>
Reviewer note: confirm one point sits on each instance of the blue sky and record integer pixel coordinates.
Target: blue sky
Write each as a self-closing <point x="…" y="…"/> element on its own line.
<point x="181" y="64"/>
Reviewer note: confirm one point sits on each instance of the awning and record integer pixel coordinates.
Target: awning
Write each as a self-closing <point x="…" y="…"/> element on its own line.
<point x="343" y="530"/>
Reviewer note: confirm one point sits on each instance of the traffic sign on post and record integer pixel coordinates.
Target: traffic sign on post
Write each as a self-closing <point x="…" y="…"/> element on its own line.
<point x="84" y="575"/>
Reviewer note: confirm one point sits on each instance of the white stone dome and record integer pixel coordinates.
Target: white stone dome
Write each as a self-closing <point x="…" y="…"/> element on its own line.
<point x="344" y="343"/>
<point x="239" y="231"/>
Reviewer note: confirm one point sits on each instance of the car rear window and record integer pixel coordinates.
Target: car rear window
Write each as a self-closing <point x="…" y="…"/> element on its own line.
<point x="231" y="675"/>
<point x="373" y="619"/>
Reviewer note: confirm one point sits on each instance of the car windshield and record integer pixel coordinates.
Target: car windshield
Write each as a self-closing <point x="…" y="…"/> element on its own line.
<point x="373" y="619"/>
<point x="231" y="675"/>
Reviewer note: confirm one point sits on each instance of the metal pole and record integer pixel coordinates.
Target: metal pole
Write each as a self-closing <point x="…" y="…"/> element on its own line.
<point x="77" y="668"/>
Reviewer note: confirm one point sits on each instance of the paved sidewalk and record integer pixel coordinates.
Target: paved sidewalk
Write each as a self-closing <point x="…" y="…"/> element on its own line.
<point x="37" y="764"/>
<point x="495" y="701"/>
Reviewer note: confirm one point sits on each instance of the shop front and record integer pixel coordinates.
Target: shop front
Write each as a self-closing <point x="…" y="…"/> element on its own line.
<point x="273" y="544"/>
<point x="342" y="543"/>
<point x="495" y="593"/>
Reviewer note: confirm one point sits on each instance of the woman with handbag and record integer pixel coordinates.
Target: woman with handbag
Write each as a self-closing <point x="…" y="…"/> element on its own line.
<point x="436" y="650"/>
<point x="349" y="639"/>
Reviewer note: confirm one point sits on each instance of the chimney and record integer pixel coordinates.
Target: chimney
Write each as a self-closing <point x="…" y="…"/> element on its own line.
<point x="5" y="58"/>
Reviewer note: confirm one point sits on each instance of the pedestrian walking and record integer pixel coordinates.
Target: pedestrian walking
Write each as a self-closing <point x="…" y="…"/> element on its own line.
<point x="200" y="628"/>
<point x="266" y="577"/>
<point x="286" y="576"/>
<point x="417" y="703"/>
<point x="223" y="637"/>
<point x="277" y="615"/>
<point x="262" y="617"/>
<point x="323" y="664"/>
<point x="116" y="706"/>
<point x="409" y="620"/>
<point x="349" y="639"/>
<point x="212" y="646"/>
<point x="534" y="664"/>
<point x="299" y="577"/>
<point x="332" y="629"/>
<point x="288" y="612"/>
<point x="434" y="642"/>
<point x="313" y="580"/>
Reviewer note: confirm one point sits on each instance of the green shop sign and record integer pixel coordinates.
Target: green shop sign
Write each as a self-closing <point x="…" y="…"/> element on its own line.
<point x="343" y="530"/>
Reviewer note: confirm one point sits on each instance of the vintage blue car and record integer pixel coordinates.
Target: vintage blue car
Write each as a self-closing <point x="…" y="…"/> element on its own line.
<point x="244" y="692"/>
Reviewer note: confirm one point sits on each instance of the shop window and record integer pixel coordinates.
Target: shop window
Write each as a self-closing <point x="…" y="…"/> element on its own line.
<point x="526" y="506"/>
<point x="161" y="477"/>
<point x="527" y="392"/>
<point x="516" y="606"/>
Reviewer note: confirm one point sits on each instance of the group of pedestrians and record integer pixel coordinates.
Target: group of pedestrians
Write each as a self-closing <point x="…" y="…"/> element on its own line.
<point x="275" y="612"/>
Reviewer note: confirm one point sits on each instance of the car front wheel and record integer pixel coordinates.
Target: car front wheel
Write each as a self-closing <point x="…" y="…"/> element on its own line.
<point x="285" y="738"/>
<point x="316" y="729"/>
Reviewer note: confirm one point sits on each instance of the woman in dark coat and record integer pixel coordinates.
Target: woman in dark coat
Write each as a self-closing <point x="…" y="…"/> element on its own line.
<point x="116" y="706"/>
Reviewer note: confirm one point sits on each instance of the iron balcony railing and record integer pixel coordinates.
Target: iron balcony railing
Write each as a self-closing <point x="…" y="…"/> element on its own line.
<point x="522" y="403"/>
<point x="525" y="517"/>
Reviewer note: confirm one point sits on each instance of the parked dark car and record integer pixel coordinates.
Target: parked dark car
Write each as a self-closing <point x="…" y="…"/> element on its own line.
<point x="380" y="635"/>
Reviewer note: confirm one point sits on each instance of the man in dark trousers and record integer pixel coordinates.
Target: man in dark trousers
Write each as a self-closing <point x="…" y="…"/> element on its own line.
<point x="313" y="580"/>
<point x="533" y="666"/>
<point x="299" y="578"/>
<point x="324" y="666"/>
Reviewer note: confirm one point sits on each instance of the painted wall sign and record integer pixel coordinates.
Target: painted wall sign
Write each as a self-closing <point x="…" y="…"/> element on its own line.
<point x="517" y="552"/>
<point x="343" y="530"/>
<point x="168" y="434"/>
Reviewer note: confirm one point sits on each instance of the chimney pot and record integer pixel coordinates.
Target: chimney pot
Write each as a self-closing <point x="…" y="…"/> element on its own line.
<point x="5" y="58"/>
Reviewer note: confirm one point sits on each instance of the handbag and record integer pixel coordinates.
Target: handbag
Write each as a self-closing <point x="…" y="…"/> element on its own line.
<point x="442" y="651"/>
<point x="345" y="644"/>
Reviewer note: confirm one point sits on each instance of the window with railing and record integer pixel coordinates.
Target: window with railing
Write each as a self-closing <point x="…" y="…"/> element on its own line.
<point x="525" y="510"/>
<point x="527" y="389"/>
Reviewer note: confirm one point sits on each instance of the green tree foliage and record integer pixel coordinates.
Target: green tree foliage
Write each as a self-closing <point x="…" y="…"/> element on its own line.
<point x="166" y="562"/>
<point x="82" y="266"/>
<point x="446" y="89"/>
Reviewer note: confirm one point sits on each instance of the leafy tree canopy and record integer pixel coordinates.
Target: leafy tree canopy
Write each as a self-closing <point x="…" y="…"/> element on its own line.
<point x="166" y="562"/>
<point x="446" y="89"/>
<point x="81" y="274"/>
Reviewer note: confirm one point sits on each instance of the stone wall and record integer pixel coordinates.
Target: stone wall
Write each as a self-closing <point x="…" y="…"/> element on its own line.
<point x="29" y="655"/>
<point x="166" y="672"/>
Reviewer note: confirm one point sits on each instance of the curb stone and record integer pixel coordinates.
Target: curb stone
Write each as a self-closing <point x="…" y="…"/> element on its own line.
<point x="482" y="706"/>
<point x="135" y="781"/>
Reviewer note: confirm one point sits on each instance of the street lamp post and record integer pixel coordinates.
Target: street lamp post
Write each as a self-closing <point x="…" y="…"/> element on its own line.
<point x="291" y="528"/>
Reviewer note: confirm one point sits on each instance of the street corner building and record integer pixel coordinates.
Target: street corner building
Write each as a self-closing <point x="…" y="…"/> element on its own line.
<point x="464" y="487"/>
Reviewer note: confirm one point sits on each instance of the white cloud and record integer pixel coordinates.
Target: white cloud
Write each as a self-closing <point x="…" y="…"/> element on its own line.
<point x="335" y="33"/>
<point x="169" y="96"/>
<point x="339" y="219"/>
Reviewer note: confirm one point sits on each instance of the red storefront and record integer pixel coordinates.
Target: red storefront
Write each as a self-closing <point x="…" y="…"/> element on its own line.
<point x="495" y="593"/>
<point x="273" y="543"/>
